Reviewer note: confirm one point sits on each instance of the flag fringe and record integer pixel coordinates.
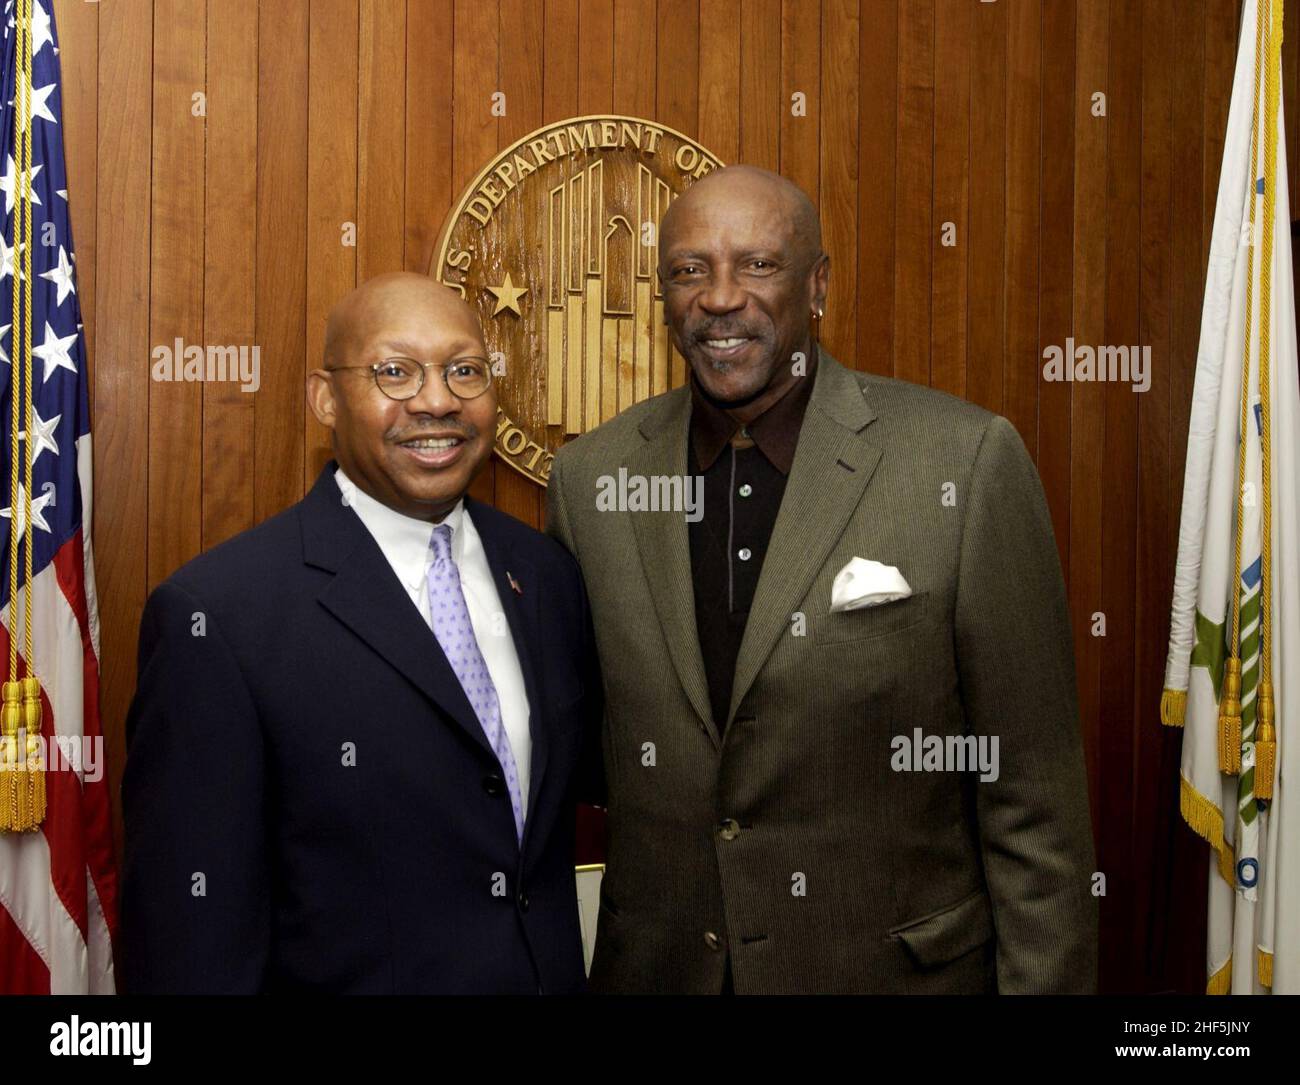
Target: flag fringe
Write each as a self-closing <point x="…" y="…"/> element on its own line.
<point x="1206" y="820"/>
<point x="1173" y="707"/>
<point x="1221" y="982"/>
<point x="1265" y="967"/>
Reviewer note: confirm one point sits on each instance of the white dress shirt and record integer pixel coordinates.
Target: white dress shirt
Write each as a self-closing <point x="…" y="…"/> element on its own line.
<point x="405" y="543"/>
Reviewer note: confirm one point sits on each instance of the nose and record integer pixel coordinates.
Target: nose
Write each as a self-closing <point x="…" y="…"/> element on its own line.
<point x="434" y="398"/>
<point x="722" y="294"/>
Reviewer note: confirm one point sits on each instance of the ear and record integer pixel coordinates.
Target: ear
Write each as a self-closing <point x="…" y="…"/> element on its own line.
<point x="819" y="281"/>
<point x="320" y="396"/>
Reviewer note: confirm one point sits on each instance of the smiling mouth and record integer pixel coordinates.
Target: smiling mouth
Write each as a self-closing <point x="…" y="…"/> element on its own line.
<point x="433" y="453"/>
<point x="433" y="443"/>
<point x="724" y="348"/>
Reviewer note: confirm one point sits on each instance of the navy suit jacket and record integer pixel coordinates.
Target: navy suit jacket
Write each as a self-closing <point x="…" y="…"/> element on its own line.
<point x="310" y="801"/>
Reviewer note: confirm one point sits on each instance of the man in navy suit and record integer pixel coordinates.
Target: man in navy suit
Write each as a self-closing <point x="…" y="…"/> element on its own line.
<point x="360" y="727"/>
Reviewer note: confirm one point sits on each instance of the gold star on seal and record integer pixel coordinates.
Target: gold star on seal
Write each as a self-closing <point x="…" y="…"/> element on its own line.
<point x="507" y="295"/>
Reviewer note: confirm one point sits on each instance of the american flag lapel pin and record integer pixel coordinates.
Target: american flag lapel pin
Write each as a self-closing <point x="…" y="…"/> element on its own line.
<point x="514" y="584"/>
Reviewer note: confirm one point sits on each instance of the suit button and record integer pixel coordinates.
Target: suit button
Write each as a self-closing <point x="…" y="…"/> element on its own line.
<point x="494" y="785"/>
<point x="712" y="940"/>
<point x="523" y="902"/>
<point x="729" y="829"/>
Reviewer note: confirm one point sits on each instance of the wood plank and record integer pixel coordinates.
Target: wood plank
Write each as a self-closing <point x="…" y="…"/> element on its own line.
<point x="877" y="200"/>
<point x="560" y="60"/>
<point x="986" y="294"/>
<point x="677" y="85"/>
<point x="801" y="74"/>
<point x="381" y="105"/>
<point x="1087" y="399"/>
<point x="1156" y="753"/>
<point x="760" y="94"/>
<point x="230" y="258"/>
<point x="1122" y="962"/>
<point x="281" y="254"/>
<point x="1024" y="153"/>
<point x="1056" y="267"/>
<point x="428" y="132"/>
<point x="953" y="34"/>
<point x="720" y="65"/>
<point x="121" y="423"/>
<point x="839" y="175"/>
<point x="596" y="54"/>
<point x="913" y="186"/>
<point x="176" y="286"/>
<point x="634" y="58"/>
<point x="339" y="85"/>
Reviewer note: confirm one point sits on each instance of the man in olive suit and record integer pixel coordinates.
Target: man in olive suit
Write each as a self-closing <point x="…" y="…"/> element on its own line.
<point x="841" y="735"/>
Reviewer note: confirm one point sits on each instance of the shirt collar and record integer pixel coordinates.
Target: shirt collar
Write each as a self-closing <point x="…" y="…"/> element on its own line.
<point x="775" y="431"/>
<point x="403" y="539"/>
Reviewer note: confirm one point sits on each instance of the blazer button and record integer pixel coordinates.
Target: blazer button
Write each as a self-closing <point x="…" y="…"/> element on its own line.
<point x="494" y="785"/>
<point x="523" y="902"/>
<point x="712" y="940"/>
<point x="729" y="829"/>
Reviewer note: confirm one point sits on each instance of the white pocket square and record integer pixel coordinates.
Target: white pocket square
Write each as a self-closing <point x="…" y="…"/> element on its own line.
<point x="864" y="583"/>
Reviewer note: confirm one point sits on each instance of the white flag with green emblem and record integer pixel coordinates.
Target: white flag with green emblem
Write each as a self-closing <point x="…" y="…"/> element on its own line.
<point x="1236" y="605"/>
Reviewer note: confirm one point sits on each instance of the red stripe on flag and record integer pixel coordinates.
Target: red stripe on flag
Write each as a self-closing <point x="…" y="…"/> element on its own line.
<point x="22" y="972"/>
<point x="69" y="564"/>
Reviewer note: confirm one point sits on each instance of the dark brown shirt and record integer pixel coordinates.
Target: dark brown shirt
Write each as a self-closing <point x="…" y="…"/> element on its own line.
<point x="745" y="471"/>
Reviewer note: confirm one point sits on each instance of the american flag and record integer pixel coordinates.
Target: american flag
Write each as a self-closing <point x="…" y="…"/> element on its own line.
<point x="58" y="886"/>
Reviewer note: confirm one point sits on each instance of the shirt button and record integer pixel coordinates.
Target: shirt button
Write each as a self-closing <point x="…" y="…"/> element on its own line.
<point x="744" y="553"/>
<point x="745" y="490"/>
<point x="712" y="940"/>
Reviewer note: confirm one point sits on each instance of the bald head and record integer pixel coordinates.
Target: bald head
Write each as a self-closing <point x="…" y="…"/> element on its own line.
<point x="372" y="307"/>
<point x="761" y="190"/>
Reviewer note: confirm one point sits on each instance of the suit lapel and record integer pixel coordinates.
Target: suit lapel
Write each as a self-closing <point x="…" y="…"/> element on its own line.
<point x="523" y="615"/>
<point x="833" y="463"/>
<point x="664" y="546"/>
<point x="366" y="597"/>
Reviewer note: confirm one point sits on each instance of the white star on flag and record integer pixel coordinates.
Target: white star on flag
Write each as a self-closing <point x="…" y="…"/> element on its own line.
<point x="7" y="257"/>
<point x="54" y="352"/>
<point x="43" y="434"/>
<point x="41" y="35"/>
<point x="61" y="276"/>
<point x="9" y="183"/>
<point x="40" y="110"/>
<point x="38" y="503"/>
<point x="3" y="353"/>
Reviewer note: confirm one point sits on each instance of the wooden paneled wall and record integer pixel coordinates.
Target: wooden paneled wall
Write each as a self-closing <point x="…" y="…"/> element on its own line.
<point x="227" y="227"/>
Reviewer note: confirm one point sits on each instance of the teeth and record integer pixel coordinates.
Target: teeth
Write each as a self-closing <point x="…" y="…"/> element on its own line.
<point x="433" y="442"/>
<point x="725" y="344"/>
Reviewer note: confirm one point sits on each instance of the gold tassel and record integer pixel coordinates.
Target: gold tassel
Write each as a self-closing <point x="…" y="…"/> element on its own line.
<point x="1221" y="982"/>
<point x="1265" y="745"/>
<point x="1230" y="718"/>
<point x="1173" y="707"/>
<point x="22" y="771"/>
<point x="1265" y="967"/>
<point x="11" y="718"/>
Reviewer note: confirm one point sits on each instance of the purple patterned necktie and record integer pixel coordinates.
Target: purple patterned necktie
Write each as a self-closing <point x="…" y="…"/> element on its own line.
<point x="455" y="632"/>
